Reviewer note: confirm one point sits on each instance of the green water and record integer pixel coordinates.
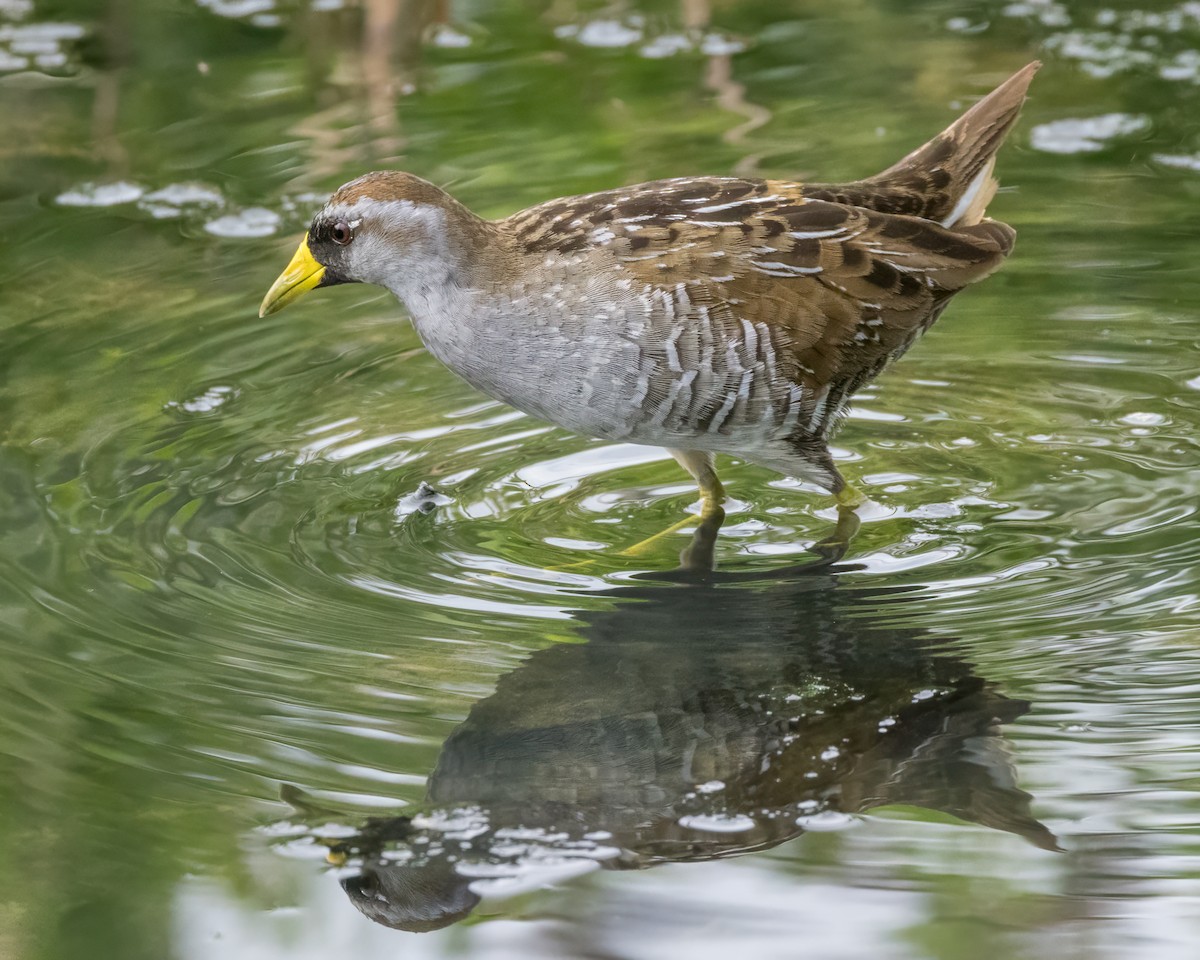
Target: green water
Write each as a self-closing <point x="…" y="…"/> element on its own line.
<point x="220" y="585"/>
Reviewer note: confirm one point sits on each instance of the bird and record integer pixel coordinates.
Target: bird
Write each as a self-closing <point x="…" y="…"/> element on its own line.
<point x="704" y="314"/>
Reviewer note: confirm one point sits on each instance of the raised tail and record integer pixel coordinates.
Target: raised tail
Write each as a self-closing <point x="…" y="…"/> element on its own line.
<point x="949" y="179"/>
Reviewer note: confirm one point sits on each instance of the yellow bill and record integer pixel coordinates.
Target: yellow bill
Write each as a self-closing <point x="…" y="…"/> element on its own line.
<point x="300" y="276"/>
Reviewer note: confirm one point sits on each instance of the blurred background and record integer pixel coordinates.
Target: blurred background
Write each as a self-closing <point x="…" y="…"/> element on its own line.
<point x="293" y="621"/>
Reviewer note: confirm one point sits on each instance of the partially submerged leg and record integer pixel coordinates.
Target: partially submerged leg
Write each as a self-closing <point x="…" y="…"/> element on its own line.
<point x="699" y="463"/>
<point x="849" y="497"/>
<point x="809" y="459"/>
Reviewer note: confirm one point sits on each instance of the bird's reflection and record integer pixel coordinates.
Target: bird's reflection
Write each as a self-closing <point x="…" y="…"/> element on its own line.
<point x="694" y="721"/>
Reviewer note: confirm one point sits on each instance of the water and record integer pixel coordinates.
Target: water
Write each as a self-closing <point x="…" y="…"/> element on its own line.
<point x="285" y="606"/>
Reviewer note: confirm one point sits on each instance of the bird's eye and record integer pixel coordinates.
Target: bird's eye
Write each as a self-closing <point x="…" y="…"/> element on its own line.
<point x="341" y="233"/>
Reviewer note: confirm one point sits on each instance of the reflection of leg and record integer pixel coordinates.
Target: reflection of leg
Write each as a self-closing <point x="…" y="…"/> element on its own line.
<point x="848" y="500"/>
<point x="697" y="556"/>
<point x="699" y="463"/>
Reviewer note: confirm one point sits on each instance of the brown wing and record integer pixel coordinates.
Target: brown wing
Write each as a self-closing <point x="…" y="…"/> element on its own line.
<point x="565" y="225"/>
<point x="840" y="279"/>
<point x="844" y="290"/>
<point x="840" y="290"/>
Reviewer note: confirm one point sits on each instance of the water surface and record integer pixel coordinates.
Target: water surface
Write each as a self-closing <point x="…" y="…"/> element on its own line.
<point x="254" y="672"/>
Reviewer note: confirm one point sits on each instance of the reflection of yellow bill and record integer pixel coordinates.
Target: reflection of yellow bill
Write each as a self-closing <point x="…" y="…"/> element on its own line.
<point x="300" y="276"/>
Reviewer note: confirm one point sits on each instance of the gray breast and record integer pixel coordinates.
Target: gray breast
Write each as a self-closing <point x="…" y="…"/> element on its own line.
<point x="607" y="357"/>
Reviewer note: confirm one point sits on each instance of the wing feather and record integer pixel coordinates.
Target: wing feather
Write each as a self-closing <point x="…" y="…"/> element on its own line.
<point x="839" y="289"/>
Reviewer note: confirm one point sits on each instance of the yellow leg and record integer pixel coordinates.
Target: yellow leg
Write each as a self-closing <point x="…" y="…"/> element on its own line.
<point x="850" y="497"/>
<point x="700" y="465"/>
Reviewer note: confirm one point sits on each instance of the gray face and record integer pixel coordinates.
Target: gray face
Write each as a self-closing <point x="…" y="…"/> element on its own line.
<point x="329" y="240"/>
<point x="395" y="243"/>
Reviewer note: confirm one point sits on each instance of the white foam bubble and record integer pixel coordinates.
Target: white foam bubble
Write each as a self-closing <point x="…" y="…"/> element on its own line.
<point x="605" y="33"/>
<point x="666" y="45"/>
<point x="235" y="9"/>
<point x="182" y="194"/>
<point x="16" y="9"/>
<point x="450" y="39"/>
<point x="1184" y="161"/>
<point x="716" y="45"/>
<point x="100" y="195"/>
<point x="35" y="32"/>
<point x="827" y="821"/>
<point x="1143" y="419"/>
<point x="711" y="786"/>
<point x="246" y="224"/>
<point x="172" y="200"/>
<point x="207" y="402"/>
<point x="1085" y="134"/>
<point x="717" y="823"/>
<point x="51" y="60"/>
<point x="1048" y="12"/>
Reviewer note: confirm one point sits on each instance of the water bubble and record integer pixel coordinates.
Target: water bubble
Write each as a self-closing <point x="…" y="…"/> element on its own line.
<point x="717" y="823"/>
<point x="100" y="195"/>
<point x="15" y="9"/>
<point x="1184" y="66"/>
<point x="965" y="25"/>
<point x="716" y="45"/>
<point x="1100" y="53"/>
<point x="666" y="45"/>
<point x="170" y="200"/>
<point x="35" y="32"/>
<point x="33" y="45"/>
<point x="1184" y="161"/>
<point x="1046" y="11"/>
<point x="1085" y="134"/>
<point x="603" y="33"/>
<point x="235" y="9"/>
<point x="181" y="194"/>
<point x="249" y="223"/>
<point x="209" y="401"/>
<point x="827" y="821"/>
<point x="450" y="39"/>
<point x="1144" y="419"/>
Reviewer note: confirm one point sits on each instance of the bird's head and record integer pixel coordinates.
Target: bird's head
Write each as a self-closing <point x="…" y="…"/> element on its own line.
<point x="388" y="228"/>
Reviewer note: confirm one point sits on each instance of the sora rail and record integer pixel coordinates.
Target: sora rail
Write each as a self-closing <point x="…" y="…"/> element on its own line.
<point x="703" y="314"/>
